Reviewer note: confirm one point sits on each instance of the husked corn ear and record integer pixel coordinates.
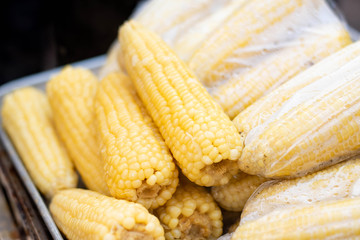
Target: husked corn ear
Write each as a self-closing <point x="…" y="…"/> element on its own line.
<point x="317" y="127"/>
<point x="339" y="181"/>
<point x="242" y="90"/>
<point x="201" y="137"/>
<point x="71" y="95"/>
<point x="338" y="219"/>
<point x="138" y="165"/>
<point x="28" y="120"/>
<point x="239" y="31"/>
<point x="84" y="214"/>
<point x="190" y="214"/>
<point x="233" y="195"/>
<point x="258" y="112"/>
<point x="191" y="40"/>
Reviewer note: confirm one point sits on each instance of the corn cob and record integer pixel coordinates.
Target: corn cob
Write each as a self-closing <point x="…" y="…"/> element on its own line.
<point x="27" y="118"/>
<point x="262" y="109"/>
<point x="317" y="127"/>
<point x="191" y="214"/>
<point x="71" y="95"/>
<point x="199" y="134"/>
<point x="233" y="195"/>
<point x="241" y="91"/>
<point x="336" y="182"/>
<point x="138" y="164"/>
<point x="191" y="40"/>
<point x="338" y="219"/>
<point x="84" y="214"/>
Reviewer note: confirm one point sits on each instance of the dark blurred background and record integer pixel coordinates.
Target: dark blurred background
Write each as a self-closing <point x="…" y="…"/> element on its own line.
<point x="39" y="35"/>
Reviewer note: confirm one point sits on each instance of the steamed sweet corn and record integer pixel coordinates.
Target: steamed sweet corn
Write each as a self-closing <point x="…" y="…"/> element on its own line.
<point x="233" y="195"/>
<point x="201" y="137"/>
<point x="336" y="182"/>
<point x="71" y="95"/>
<point x="138" y="164"/>
<point x="27" y="118"/>
<point x="317" y="127"/>
<point x="239" y="66"/>
<point x="338" y="219"/>
<point x="262" y="109"/>
<point x="240" y="91"/>
<point x="84" y="214"/>
<point x="190" y="214"/>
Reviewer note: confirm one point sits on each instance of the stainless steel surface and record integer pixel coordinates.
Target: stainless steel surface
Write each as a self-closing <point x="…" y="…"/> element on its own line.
<point x="38" y="81"/>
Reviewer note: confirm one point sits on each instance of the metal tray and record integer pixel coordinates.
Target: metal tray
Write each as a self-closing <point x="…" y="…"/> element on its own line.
<point x="38" y="80"/>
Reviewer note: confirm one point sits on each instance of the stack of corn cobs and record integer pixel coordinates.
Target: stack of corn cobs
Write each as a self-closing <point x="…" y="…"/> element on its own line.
<point x="203" y="106"/>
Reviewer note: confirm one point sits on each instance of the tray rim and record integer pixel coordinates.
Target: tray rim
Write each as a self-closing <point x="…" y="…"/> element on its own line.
<point x="92" y="64"/>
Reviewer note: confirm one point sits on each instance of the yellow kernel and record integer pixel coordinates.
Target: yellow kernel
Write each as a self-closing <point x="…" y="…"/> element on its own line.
<point x="159" y="177"/>
<point x="218" y="158"/>
<point x="136" y="183"/>
<point x="198" y="165"/>
<point x="141" y="217"/>
<point x="206" y="160"/>
<point x="176" y="233"/>
<point x="209" y="135"/>
<point x="214" y="153"/>
<point x="234" y="154"/>
<point x="169" y="236"/>
<point x="207" y="149"/>
<point x="160" y="200"/>
<point x="217" y="223"/>
<point x="206" y="179"/>
<point x="132" y="174"/>
<point x="224" y="148"/>
<point x="187" y="212"/>
<point x="129" y="223"/>
<point x="148" y="172"/>
<point x="166" y="219"/>
<point x="173" y="223"/>
<point x="150" y="227"/>
<point x="151" y="180"/>
<point x="204" y="208"/>
<point x="224" y="181"/>
<point x="166" y="194"/>
<point x="215" y="215"/>
<point x="174" y="212"/>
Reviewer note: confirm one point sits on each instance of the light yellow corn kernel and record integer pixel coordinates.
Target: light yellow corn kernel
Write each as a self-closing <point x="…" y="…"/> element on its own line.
<point x="130" y="141"/>
<point x="199" y="222"/>
<point x="336" y="182"/>
<point x="71" y="95"/>
<point x="233" y="195"/>
<point x="338" y="219"/>
<point x="170" y="92"/>
<point x="27" y="119"/>
<point x="84" y="214"/>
